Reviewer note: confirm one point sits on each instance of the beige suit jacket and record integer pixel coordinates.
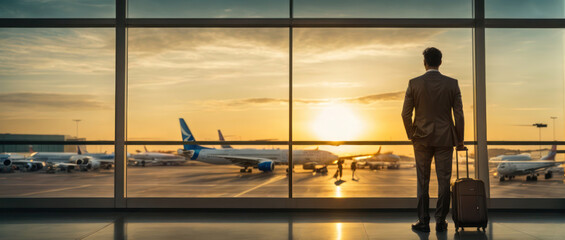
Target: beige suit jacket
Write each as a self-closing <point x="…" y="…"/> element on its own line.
<point x="434" y="97"/>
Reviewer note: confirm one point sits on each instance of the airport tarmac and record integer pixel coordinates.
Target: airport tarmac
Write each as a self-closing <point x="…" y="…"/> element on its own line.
<point x="203" y="180"/>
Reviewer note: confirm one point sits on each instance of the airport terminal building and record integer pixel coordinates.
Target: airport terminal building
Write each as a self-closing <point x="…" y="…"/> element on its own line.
<point x="221" y="109"/>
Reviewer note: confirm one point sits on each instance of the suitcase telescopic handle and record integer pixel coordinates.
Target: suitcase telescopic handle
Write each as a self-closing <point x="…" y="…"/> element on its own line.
<point x="457" y="150"/>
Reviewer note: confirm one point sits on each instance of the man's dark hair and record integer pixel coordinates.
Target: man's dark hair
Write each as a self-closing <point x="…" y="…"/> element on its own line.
<point x="432" y="56"/>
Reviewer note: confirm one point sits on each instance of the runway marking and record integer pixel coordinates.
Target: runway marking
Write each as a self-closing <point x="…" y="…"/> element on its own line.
<point x="260" y="185"/>
<point x="55" y="190"/>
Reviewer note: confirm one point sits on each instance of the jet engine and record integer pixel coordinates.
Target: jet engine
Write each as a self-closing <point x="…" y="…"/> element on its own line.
<point x="6" y="166"/>
<point x="266" y="166"/>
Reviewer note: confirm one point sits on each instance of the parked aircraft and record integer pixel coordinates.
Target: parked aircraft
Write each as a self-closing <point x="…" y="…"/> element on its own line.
<point x="20" y="162"/>
<point x="157" y="158"/>
<point x="69" y="161"/>
<point x="377" y="160"/>
<point x="262" y="159"/>
<point x="518" y="165"/>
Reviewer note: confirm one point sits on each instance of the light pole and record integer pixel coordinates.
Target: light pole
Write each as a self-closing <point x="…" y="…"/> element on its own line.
<point x="554" y="139"/>
<point x="77" y="121"/>
<point x="540" y="126"/>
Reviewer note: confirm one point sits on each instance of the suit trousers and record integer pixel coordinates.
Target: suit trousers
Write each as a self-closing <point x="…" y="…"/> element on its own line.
<point x="443" y="160"/>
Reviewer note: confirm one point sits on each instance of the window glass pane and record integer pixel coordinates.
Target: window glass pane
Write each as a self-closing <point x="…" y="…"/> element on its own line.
<point x="217" y="171"/>
<point x="525" y="84"/>
<point x="56" y="171"/>
<point x="380" y="171"/>
<point x="510" y="175"/>
<point x="57" y="82"/>
<point x="349" y="84"/>
<point x="208" y="9"/>
<point x="524" y="9"/>
<point x="382" y="9"/>
<point x="233" y="80"/>
<point x="57" y="9"/>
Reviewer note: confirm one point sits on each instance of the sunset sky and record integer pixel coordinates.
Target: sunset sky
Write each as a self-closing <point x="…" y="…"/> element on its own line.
<point x="348" y="83"/>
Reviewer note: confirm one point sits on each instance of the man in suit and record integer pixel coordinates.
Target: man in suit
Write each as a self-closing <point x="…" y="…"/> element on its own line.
<point x="433" y="97"/>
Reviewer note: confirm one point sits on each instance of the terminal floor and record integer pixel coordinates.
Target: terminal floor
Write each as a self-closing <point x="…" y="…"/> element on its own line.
<point x="261" y="224"/>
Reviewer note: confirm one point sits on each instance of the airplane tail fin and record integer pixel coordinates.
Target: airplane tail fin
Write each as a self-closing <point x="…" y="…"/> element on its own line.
<point x="223" y="139"/>
<point x="79" y="151"/>
<point x="145" y="148"/>
<point x="551" y="154"/>
<point x="379" y="152"/>
<point x="187" y="136"/>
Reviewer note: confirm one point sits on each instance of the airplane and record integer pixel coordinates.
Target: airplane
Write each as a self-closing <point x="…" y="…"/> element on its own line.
<point x="157" y="158"/>
<point x="510" y="166"/>
<point x="69" y="161"/>
<point x="262" y="159"/>
<point x="377" y="160"/>
<point x="20" y="162"/>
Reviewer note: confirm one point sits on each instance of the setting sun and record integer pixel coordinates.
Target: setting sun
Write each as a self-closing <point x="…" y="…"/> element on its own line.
<point x="337" y="122"/>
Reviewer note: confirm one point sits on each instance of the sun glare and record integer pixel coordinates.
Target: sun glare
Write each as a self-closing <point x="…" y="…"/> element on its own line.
<point x="337" y="122"/>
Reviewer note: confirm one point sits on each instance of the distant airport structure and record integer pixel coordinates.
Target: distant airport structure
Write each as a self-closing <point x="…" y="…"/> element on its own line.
<point x="37" y="148"/>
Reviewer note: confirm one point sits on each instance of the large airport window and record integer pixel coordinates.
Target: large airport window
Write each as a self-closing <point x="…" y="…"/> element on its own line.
<point x="349" y="84"/>
<point x="382" y="9"/>
<point x="57" y="171"/>
<point x="208" y="9"/>
<point x="195" y="171"/>
<point x="57" y="85"/>
<point x="229" y="80"/>
<point x="349" y="171"/>
<point x="524" y="9"/>
<point x="525" y="90"/>
<point x="58" y="9"/>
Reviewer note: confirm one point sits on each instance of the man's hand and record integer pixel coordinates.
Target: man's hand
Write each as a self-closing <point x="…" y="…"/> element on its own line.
<point x="461" y="146"/>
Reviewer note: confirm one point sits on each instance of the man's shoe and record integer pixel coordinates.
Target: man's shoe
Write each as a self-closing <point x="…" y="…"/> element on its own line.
<point x="441" y="226"/>
<point x="421" y="226"/>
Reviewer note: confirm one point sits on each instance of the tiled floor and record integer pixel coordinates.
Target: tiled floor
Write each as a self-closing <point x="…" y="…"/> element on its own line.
<point x="209" y="225"/>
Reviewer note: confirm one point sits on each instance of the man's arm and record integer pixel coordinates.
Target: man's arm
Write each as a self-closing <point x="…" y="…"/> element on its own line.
<point x="407" y="111"/>
<point x="458" y="115"/>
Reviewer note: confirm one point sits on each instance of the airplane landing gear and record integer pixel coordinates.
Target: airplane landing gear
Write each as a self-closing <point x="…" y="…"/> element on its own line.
<point x="531" y="178"/>
<point x="502" y="178"/>
<point x="548" y="175"/>
<point x="246" y="169"/>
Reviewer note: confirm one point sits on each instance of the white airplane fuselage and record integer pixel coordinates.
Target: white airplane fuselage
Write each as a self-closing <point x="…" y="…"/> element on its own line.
<point x="277" y="155"/>
<point x="510" y="168"/>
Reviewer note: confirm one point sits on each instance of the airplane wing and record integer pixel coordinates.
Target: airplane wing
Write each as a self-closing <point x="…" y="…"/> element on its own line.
<point x="244" y="161"/>
<point x="357" y="156"/>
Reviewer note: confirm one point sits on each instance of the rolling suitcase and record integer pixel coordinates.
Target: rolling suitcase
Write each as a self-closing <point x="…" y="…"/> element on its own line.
<point x="469" y="205"/>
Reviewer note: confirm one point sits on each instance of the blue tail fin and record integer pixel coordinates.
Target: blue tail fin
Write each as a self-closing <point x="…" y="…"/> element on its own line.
<point x="187" y="136"/>
<point x="222" y="139"/>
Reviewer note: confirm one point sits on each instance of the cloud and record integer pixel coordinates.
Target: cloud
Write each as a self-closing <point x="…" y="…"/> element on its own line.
<point x="52" y="101"/>
<point x="394" y="96"/>
<point x="252" y="102"/>
<point x="56" y="51"/>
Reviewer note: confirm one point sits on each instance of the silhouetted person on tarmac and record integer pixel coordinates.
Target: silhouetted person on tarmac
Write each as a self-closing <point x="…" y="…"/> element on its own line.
<point x="433" y="97"/>
<point x="339" y="171"/>
<point x="353" y="168"/>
